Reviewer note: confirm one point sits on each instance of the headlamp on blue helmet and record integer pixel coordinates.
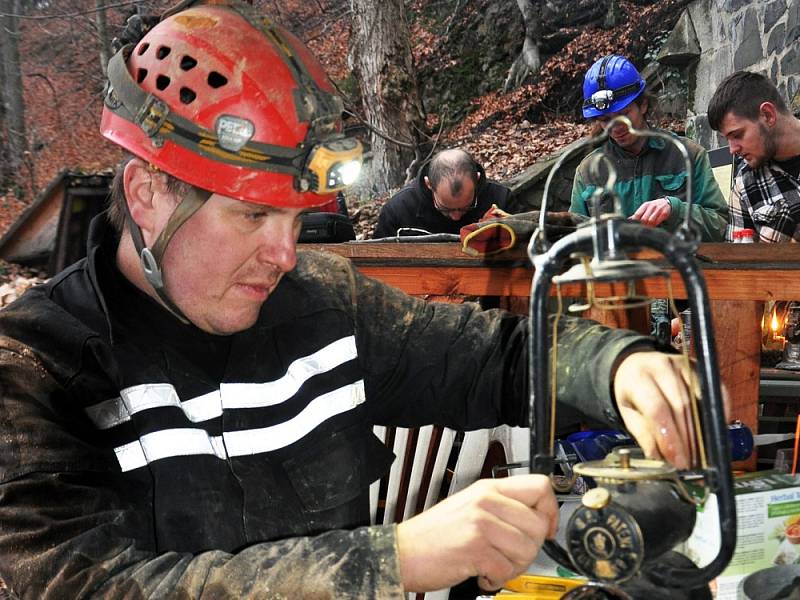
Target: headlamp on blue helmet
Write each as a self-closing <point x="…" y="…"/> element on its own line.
<point x="610" y="85"/>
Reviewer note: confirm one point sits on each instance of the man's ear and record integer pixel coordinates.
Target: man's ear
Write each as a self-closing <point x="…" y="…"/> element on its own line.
<point x="477" y="175"/>
<point x="141" y="185"/>
<point x="768" y="113"/>
<point x="427" y="182"/>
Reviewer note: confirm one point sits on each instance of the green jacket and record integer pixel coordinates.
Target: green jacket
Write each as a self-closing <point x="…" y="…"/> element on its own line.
<point x="659" y="171"/>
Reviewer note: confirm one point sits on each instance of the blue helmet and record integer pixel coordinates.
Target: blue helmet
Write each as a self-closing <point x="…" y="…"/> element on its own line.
<point x="610" y="84"/>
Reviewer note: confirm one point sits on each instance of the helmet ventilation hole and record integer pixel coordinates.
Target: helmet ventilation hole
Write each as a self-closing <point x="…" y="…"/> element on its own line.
<point x="162" y="82"/>
<point x="142" y="48"/>
<point x="187" y="95"/>
<point x="163" y="52"/>
<point x="216" y="80"/>
<point x="188" y="63"/>
<point x="140" y="75"/>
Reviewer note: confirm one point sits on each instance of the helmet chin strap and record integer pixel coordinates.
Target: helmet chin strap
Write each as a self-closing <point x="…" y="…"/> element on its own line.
<point x="151" y="257"/>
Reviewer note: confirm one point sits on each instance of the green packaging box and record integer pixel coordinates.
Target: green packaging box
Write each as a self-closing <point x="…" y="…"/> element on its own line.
<point x="767" y="530"/>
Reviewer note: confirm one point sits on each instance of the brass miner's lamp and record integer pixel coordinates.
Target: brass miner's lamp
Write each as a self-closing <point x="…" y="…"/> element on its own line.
<point x="640" y="508"/>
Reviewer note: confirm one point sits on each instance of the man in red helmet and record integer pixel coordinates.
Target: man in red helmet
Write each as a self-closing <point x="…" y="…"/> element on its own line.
<point x="651" y="174"/>
<point x="188" y="411"/>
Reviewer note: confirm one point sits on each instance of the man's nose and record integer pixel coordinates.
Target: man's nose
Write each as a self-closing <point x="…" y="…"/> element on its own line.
<point x="734" y="147"/>
<point x="279" y="245"/>
<point x="619" y="129"/>
<point x="455" y="215"/>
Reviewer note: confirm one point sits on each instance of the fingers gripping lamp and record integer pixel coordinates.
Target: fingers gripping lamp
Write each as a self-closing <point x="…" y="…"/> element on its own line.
<point x="640" y="508"/>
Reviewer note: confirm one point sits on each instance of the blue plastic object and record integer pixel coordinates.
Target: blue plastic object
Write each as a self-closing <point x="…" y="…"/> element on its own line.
<point x="741" y="440"/>
<point x="595" y="445"/>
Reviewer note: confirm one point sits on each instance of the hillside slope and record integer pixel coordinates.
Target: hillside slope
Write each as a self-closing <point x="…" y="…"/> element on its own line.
<point x="507" y="132"/>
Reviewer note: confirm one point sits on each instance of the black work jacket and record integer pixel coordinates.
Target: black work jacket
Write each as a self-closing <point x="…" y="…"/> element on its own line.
<point x="142" y="458"/>
<point x="413" y="207"/>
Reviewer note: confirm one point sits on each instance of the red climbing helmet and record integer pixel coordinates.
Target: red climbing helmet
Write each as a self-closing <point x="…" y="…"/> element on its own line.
<point x="222" y="98"/>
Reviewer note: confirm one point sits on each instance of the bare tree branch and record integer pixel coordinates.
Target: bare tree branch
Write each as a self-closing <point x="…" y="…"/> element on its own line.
<point x="530" y="60"/>
<point x="13" y="102"/>
<point x="102" y="34"/>
<point x="80" y="13"/>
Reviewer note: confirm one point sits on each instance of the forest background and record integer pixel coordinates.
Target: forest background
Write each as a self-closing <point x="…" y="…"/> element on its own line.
<point x="501" y="78"/>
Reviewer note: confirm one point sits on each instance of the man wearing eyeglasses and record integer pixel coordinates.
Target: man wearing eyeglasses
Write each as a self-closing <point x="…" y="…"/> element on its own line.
<point x="451" y="191"/>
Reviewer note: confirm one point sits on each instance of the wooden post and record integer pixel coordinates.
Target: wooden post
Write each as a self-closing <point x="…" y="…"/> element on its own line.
<point x="737" y="332"/>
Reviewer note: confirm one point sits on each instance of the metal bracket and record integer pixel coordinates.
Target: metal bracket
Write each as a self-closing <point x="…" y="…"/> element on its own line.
<point x="152" y="115"/>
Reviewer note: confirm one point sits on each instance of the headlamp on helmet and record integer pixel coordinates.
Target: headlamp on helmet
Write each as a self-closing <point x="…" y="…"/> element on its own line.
<point x="602" y="99"/>
<point x="332" y="165"/>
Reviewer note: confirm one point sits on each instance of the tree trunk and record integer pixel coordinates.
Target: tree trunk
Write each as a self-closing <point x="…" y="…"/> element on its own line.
<point x="102" y="35"/>
<point x="380" y="56"/>
<point x="12" y="90"/>
<point x="530" y="60"/>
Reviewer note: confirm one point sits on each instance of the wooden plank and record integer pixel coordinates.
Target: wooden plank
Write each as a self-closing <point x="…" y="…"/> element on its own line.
<point x="737" y="332"/>
<point x="732" y="272"/>
<point x="723" y="284"/>
<point x="725" y="253"/>
<point x="720" y="255"/>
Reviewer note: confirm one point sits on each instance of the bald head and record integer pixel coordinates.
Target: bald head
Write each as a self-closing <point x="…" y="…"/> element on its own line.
<point x="452" y="166"/>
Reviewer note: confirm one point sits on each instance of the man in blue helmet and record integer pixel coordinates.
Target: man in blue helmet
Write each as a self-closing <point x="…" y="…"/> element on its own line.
<point x="651" y="174"/>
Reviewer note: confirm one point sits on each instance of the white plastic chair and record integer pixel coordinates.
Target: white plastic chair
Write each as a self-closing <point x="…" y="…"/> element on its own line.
<point x="415" y="480"/>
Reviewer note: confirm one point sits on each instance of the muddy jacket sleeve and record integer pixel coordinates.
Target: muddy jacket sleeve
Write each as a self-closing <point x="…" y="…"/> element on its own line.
<point x="66" y="531"/>
<point x="460" y="366"/>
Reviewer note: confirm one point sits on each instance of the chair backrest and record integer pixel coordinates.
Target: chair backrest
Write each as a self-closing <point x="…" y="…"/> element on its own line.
<point x="435" y="462"/>
<point x="722" y="165"/>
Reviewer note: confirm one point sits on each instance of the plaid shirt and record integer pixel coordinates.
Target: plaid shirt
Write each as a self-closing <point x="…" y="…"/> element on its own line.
<point x="766" y="200"/>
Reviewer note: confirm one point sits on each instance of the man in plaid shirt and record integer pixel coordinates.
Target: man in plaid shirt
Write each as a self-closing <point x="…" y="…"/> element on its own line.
<point x="749" y="111"/>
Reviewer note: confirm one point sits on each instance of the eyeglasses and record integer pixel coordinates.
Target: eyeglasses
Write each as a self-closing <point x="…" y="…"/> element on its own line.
<point x="449" y="211"/>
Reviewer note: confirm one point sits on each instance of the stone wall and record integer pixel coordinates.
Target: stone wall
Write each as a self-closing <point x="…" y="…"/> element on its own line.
<point x="732" y="35"/>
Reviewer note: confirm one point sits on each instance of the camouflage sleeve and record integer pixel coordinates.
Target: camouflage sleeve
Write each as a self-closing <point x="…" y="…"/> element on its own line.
<point x="69" y="529"/>
<point x="466" y="368"/>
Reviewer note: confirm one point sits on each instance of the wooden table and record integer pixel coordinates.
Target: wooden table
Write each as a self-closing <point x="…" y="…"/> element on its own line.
<point x="739" y="278"/>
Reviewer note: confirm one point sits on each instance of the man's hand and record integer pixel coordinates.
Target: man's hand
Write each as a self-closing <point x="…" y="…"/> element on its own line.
<point x="652" y="392"/>
<point x="653" y="212"/>
<point x="493" y="529"/>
